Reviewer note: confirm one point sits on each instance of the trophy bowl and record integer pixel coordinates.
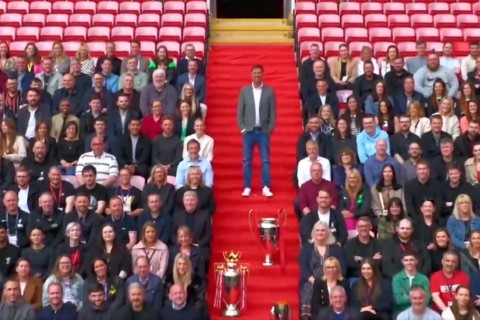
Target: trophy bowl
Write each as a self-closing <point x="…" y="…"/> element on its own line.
<point x="269" y="233"/>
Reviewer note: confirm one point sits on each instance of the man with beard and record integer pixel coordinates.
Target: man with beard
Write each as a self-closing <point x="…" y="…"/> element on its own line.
<point x="13" y="306"/>
<point x="9" y="254"/>
<point x="137" y="308"/>
<point x="395" y="77"/>
<point x="98" y="309"/>
<point x="463" y="144"/>
<point x="33" y="113"/>
<point x="159" y="90"/>
<point x="98" y="193"/>
<point x="12" y="96"/>
<point x="38" y="163"/>
<point x="63" y="192"/>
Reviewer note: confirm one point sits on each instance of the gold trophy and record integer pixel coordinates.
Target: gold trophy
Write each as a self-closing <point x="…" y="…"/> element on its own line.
<point x="231" y="284"/>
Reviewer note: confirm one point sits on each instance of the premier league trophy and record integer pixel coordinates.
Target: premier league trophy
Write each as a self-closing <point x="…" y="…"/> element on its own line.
<point x="269" y="230"/>
<point x="281" y="311"/>
<point x="231" y="284"/>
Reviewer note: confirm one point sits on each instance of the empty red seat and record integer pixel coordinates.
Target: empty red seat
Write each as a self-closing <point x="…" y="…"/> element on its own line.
<point x="149" y="20"/>
<point x="126" y="19"/>
<point x="308" y="34"/>
<point x="398" y="20"/>
<point x="123" y="34"/>
<point x="379" y="34"/>
<point x="44" y="47"/>
<point x="11" y="20"/>
<point x="179" y="7"/>
<point x="109" y="7"/>
<point x="421" y="20"/>
<point x="468" y="21"/>
<point x="7" y="34"/>
<point x="20" y="7"/>
<point x="407" y="48"/>
<point x="415" y="8"/>
<point x="375" y="20"/>
<point x="63" y="7"/>
<point x="96" y="48"/>
<point x="427" y="34"/>
<point x="70" y="47"/>
<point x="152" y="7"/>
<point x="461" y="48"/>
<point x="28" y="34"/>
<point x="380" y="48"/>
<point x="34" y="20"/>
<point x="144" y="33"/>
<point x="328" y="20"/>
<point x="332" y="34"/>
<point x="148" y="49"/>
<point x="40" y="7"/>
<point x="122" y="48"/>
<point x="173" y="48"/>
<point x="306" y="20"/>
<point x="327" y="8"/>
<point x="471" y="34"/>
<point x="199" y="48"/>
<point x="194" y="20"/>
<point x="3" y="7"/>
<point x="170" y="34"/>
<point x="357" y="46"/>
<point x="98" y="34"/>
<point x="352" y="20"/>
<point x="193" y="34"/>
<point x="356" y="34"/>
<point x="130" y="7"/>
<point x="444" y="21"/>
<point x="75" y="34"/>
<point x="331" y="48"/>
<point x="304" y="7"/>
<point x="460" y="8"/>
<point x="451" y="34"/>
<point x="476" y="8"/>
<point x="89" y="7"/>
<point x="59" y="20"/>
<point x="103" y="20"/>
<point x="349" y="8"/>
<point x="197" y="7"/>
<point x="17" y="47"/>
<point x="403" y="34"/>
<point x="438" y="7"/>
<point x="172" y="20"/>
<point x="371" y="7"/>
<point x="393" y="8"/>
<point x="51" y="33"/>
<point x="80" y="20"/>
<point x="305" y="48"/>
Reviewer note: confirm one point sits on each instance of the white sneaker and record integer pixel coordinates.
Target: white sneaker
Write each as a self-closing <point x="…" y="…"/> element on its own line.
<point x="246" y="192"/>
<point x="266" y="192"/>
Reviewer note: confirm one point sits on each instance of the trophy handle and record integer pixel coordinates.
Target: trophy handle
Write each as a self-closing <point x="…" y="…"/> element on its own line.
<point x="252" y="214"/>
<point x="282" y="217"/>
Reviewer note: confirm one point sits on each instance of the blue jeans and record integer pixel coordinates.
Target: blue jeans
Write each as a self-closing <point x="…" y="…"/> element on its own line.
<point x="250" y="139"/>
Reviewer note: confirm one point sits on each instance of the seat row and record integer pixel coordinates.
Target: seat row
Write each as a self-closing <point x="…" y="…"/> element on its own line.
<point x="393" y="20"/>
<point x="386" y="8"/>
<point x="404" y="1"/>
<point x="103" y="20"/>
<point x="109" y="7"/>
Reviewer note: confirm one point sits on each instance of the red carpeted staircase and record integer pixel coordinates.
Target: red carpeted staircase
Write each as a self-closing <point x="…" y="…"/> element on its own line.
<point x="228" y="70"/>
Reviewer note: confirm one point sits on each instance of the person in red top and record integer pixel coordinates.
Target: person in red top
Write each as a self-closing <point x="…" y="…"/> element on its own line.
<point x="443" y="283"/>
<point x="152" y="123"/>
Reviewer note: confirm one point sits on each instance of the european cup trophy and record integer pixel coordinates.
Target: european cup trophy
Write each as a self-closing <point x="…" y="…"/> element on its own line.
<point x="281" y="311"/>
<point x="231" y="284"/>
<point x="269" y="232"/>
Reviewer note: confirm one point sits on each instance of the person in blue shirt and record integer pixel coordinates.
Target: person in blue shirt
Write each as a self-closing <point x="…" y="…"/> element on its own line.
<point x="194" y="159"/>
<point x="367" y="139"/>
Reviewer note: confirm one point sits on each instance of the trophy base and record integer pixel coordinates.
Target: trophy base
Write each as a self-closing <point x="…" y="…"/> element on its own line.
<point x="231" y="313"/>
<point x="268" y="261"/>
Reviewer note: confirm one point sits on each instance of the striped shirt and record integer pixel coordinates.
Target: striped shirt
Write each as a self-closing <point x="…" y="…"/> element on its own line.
<point x="106" y="165"/>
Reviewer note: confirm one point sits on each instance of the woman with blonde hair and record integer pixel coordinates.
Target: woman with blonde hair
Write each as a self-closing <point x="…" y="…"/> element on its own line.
<point x="185" y="245"/>
<point x="86" y="61"/>
<point x="158" y="184"/>
<point x="154" y="249"/>
<point x="199" y="110"/>
<point x="451" y="125"/>
<point x="327" y="121"/>
<point x="462" y="222"/>
<point x="61" y="62"/>
<point x="15" y="146"/>
<point x="195" y="183"/>
<point x="184" y="121"/>
<point x="419" y="124"/>
<point x="470" y="257"/>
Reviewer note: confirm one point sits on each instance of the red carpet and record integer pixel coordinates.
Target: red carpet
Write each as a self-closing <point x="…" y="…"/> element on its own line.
<point x="228" y="70"/>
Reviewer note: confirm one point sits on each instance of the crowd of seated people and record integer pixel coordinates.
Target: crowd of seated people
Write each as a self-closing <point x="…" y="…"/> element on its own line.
<point x="106" y="186"/>
<point x="388" y="198"/>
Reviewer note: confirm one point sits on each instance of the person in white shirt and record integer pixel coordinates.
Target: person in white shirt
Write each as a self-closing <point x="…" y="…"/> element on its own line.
<point x="447" y="60"/>
<point x="367" y="55"/>
<point x="419" y="309"/>
<point x="206" y="142"/>
<point x="468" y="63"/>
<point x="463" y="307"/>
<point x="303" y="168"/>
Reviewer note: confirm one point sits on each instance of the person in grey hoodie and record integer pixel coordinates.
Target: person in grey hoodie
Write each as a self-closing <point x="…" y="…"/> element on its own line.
<point x="13" y="306"/>
<point x="425" y="77"/>
<point x="98" y="308"/>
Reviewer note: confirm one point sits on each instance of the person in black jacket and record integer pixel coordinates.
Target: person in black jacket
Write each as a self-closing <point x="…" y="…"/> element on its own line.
<point x="180" y="308"/>
<point x="96" y="308"/>
<point x="57" y="309"/>
<point x="8" y="253"/>
<point x="137" y="308"/>
<point x="49" y="219"/>
<point x="7" y="172"/>
<point x="338" y="307"/>
<point x="313" y="133"/>
<point x="135" y="151"/>
<point x="430" y="140"/>
<point x="15" y="219"/>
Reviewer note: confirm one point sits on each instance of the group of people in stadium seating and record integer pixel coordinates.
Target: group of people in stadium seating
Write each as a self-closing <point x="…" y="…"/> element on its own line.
<point x="389" y="190"/>
<point x="106" y="182"/>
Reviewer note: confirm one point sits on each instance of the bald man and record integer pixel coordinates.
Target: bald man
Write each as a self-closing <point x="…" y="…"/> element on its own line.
<point x="178" y="308"/>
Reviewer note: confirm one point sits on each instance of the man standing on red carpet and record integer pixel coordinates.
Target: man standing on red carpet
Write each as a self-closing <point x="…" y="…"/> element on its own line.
<point x="256" y="119"/>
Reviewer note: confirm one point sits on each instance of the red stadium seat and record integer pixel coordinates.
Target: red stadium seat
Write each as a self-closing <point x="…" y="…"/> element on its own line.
<point x="109" y="7"/>
<point x="393" y="8"/>
<point x="199" y="48"/>
<point x="149" y="20"/>
<point x="403" y="34"/>
<point x="436" y="46"/>
<point x="179" y="7"/>
<point x="357" y="46"/>
<point x="152" y="7"/>
<point x="468" y="21"/>
<point x="371" y="7"/>
<point x="40" y="7"/>
<point x="356" y="34"/>
<point x="122" y="48"/>
<point x="98" y="34"/>
<point x="97" y="49"/>
<point x="130" y="7"/>
<point x="461" y="48"/>
<point x="126" y="19"/>
<point x="451" y="34"/>
<point x="75" y="34"/>
<point x="421" y="20"/>
<point x="145" y="34"/>
<point x="34" y="20"/>
<point x="44" y="47"/>
<point x="438" y="8"/>
<point x="28" y="34"/>
<point x="476" y="8"/>
<point x="352" y="20"/>
<point x="103" y="20"/>
<point x="81" y="20"/>
<point x="305" y="48"/>
<point x="17" y="47"/>
<point x="71" y="47"/>
<point x="407" y="48"/>
<point x="308" y="34"/>
<point x="380" y="48"/>
<point x="398" y="20"/>
<point x="193" y="34"/>
<point x="328" y="20"/>
<point x="427" y="34"/>
<point x="327" y="8"/>
<point x="415" y="8"/>
<point x="57" y="20"/>
<point x="332" y="34"/>
<point x="304" y="7"/>
<point x="444" y="21"/>
<point x="51" y="33"/>
<point x="88" y="7"/>
<point x="194" y="20"/>
<point x="172" y="20"/>
<point x="11" y="20"/>
<point x="3" y="7"/>
<point x="7" y="34"/>
<point x="20" y="7"/>
<point x="471" y="34"/>
<point x="460" y="8"/>
<point x="379" y="34"/>
<point x="148" y="48"/>
<point x="375" y="20"/>
<point x="170" y="34"/>
<point x="63" y="7"/>
<point x="349" y="8"/>
<point x="123" y="34"/>
<point x="331" y="48"/>
<point x="197" y="7"/>
<point x="306" y="20"/>
<point x="173" y="48"/>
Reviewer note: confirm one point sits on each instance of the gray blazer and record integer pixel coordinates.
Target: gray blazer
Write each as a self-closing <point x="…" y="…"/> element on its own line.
<point x="143" y="65"/>
<point x="56" y="82"/>
<point x="246" y="109"/>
